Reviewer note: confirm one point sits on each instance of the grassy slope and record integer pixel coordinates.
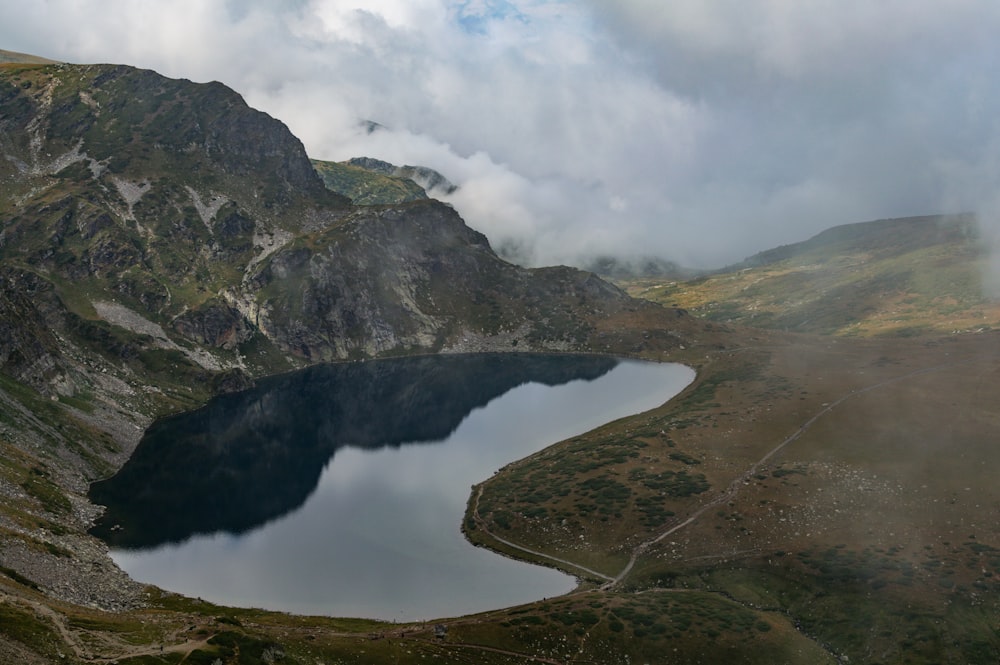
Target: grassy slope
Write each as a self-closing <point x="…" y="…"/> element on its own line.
<point x="872" y="530"/>
<point x="364" y="187"/>
<point x="859" y="537"/>
<point x="605" y="628"/>
<point x="896" y="277"/>
<point x="873" y="527"/>
<point x="23" y="58"/>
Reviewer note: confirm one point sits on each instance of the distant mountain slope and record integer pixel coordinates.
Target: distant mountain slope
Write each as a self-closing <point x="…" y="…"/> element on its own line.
<point x="617" y="268"/>
<point x="427" y="178"/>
<point x="888" y="277"/>
<point x="880" y="238"/>
<point x="160" y="240"/>
<point x="23" y="58"/>
<point x="368" y="181"/>
<point x="365" y="187"/>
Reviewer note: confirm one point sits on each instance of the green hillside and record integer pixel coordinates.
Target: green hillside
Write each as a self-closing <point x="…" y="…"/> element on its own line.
<point x="23" y="58"/>
<point x="365" y="187"/>
<point x="895" y="277"/>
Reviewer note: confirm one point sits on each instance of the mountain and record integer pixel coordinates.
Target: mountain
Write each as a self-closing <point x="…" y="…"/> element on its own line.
<point x="892" y="277"/>
<point x="167" y="206"/>
<point x="651" y="267"/>
<point x="368" y="181"/>
<point x="427" y="178"/>
<point x="23" y="58"/>
<point x="880" y="238"/>
<point x="365" y="187"/>
<point x="161" y="242"/>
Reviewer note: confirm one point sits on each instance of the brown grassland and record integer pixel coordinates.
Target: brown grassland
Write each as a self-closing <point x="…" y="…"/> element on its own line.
<point x="850" y="488"/>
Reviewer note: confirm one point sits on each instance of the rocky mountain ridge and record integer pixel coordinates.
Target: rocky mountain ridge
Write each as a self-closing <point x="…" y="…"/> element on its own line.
<point x="427" y="178"/>
<point x="185" y="206"/>
<point x="161" y="241"/>
<point x="368" y="181"/>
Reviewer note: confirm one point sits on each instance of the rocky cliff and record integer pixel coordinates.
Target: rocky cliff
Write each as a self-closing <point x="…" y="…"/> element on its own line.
<point x="160" y="242"/>
<point x="159" y="205"/>
<point x="427" y="178"/>
<point x="368" y="187"/>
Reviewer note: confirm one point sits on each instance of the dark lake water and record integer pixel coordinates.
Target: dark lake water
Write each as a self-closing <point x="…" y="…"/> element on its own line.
<point x="340" y="490"/>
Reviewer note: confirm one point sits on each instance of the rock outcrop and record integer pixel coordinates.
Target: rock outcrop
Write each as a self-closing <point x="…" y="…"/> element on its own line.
<point x="161" y="242"/>
<point x="207" y="217"/>
<point x="429" y="179"/>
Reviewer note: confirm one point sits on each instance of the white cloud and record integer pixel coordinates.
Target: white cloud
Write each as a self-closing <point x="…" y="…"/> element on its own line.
<point x="699" y="130"/>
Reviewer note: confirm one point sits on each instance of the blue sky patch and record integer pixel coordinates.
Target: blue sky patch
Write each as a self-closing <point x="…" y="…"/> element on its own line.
<point x="475" y="16"/>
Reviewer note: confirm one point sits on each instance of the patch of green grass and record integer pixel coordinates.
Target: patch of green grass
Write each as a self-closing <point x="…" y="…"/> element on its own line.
<point x="165" y="659"/>
<point x="896" y="278"/>
<point x="365" y="187"/>
<point x="28" y="629"/>
<point x="50" y="495"/>
<point x="855" y="602"/>
<point x="19" y="578"/>
<point x="250" y="650"/>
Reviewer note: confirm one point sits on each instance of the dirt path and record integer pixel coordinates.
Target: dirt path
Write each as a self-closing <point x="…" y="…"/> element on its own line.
<point x="149" y="650"/>
<point x="739" y="481"/>
<point x="85" y="644"/>
<point x="482" y="525"/>
<point x="58" y="622"/>
<point x="516" y="654"/>
<point x="724" y="497"/>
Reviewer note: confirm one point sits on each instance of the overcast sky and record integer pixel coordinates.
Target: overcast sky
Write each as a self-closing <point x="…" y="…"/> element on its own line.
<point x="700" y="131"/>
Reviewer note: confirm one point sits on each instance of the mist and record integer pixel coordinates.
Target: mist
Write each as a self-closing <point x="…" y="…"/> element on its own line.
<point x="697" y="132"/>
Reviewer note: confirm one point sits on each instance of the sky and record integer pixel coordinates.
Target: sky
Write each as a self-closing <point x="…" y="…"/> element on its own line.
<point x="697" y="131"/>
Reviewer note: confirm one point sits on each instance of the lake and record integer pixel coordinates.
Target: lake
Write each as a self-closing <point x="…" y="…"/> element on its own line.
<point x="340" y="490"/>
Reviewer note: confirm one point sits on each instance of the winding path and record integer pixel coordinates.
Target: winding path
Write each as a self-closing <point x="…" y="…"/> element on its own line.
<point x="734" y="486"/>
<point x="724" y="497"/>
<point x="482" y="525"/>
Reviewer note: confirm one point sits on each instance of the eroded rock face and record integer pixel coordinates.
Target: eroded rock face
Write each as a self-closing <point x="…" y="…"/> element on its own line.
<point x="207" y="218"/>
<point x="427" y="178"/>
<point x="160" y="242"/>
<point x="215" y="325"/>
<point x="28" y="349"/>
<point x="416" y="278"/>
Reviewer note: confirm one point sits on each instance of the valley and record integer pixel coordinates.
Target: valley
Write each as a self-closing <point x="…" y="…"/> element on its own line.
<point x="822" y="492"/>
